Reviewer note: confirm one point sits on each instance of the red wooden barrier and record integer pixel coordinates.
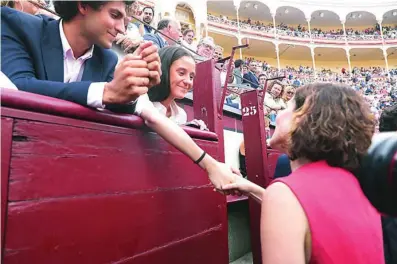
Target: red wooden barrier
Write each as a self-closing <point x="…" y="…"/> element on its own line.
<point x="92" y="187"/>
<point x="255" y="159"/>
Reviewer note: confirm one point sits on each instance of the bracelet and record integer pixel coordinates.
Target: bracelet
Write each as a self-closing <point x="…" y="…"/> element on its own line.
<point x="201" y="158"/>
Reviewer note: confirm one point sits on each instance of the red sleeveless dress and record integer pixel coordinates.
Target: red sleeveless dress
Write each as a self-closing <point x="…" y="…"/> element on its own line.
<point x="344" y="226"/>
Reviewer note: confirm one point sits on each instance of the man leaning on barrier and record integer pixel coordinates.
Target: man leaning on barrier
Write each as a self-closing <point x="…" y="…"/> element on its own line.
<point x="69" y="59"/>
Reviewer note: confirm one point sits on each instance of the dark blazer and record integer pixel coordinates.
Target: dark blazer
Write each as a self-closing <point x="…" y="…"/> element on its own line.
<point x="252" y="78"/>
<point x="156" y="39"/>
<point x="283" y="166"/>
<point x="32" y="57"/>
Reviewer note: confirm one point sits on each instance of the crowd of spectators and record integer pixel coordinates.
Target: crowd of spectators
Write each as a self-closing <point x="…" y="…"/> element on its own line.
<point x="377" y="85"/>
<point x="301" y="31"/>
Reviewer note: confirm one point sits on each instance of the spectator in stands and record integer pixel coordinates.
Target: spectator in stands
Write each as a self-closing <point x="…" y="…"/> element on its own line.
<point x="206" y="48"/>
<point x="24" y="6"/>
<point x="68" y="58"/>
<point x="251" y="76"/>
<point x="388" y="119"/>
<point x="262" y="80"/>
<point x="169" y="27"/>
<point x="218" y="53"/>
<point x="288" y="93"/>
<point x="178" y="71"/>
<point x="273" y="99"/>
<point x="147" y="17"/>
<point x="132" y="37"/>
<point x="188" y="37"/>
<point x="238" y="71"/>
<point x="325" y="157"/>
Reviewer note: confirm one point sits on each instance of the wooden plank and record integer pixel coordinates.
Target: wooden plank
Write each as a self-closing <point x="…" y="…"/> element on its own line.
<point x="256" y="161"/>
<point x="6" y="148"/>
<point x="48" y="162"/>
<point x="109" y="228"/>
<point x="23" y="114"/>
<point x="181" y="252"/>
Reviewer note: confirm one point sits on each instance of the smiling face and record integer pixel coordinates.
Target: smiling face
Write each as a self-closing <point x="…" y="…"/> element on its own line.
<point x="189" y="37"/>
<point x="276" y="90"/>
<point x="101" y="26"/>
<point x="182" y="73"/>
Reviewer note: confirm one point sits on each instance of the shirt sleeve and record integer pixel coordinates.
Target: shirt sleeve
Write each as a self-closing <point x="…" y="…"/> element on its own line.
<point x="95" y="95"/>
<point x="143" y="102"/>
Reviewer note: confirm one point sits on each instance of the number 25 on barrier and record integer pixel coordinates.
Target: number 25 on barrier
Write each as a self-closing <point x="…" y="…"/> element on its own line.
<point x="249" y="110"/>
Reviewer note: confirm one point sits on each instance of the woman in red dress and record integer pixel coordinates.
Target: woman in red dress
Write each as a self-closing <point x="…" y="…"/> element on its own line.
<point x="319" y="213"/>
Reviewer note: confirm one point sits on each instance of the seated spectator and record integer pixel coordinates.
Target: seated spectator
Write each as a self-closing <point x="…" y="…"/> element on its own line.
<point x="169" y="27"/>
<point x="188" y="37"/>
<point x="250" y="77"/>
<point x="206" y="48"/>
<point x="130" y="40"/>
<point x="178" y="71"/>
<point x="288" y="93"/>
<point x="333" y="221"/>
<point x="238" y="71"/>
<point x="283" y="166"/>
<point x="69" y="58"/>
<point x="273" y="100"/>
<point x="262" y="80"/>
<point x="388" y="119"/>
<point x="23" y="6"/>
<point x="147" y="17"/>
<point x="218" y="53"/>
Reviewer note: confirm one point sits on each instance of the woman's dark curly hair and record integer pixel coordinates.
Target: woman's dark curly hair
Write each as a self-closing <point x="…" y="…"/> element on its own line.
<point x="69" y="9"/>
<point x="331" y="122"/>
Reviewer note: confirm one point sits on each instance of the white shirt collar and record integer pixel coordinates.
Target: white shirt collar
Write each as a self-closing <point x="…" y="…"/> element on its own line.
<point x="67" y="50"/>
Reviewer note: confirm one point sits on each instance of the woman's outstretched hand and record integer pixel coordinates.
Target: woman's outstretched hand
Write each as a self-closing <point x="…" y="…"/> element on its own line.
<point x="245" y="187"/>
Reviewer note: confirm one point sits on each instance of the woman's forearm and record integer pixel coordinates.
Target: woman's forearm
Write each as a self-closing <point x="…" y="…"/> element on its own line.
<point x="176" y="136"/>
<point x="257" y="194"/>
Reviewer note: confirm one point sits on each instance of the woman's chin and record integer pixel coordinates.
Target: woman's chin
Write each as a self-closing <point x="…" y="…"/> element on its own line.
<point x="278" y="144"/>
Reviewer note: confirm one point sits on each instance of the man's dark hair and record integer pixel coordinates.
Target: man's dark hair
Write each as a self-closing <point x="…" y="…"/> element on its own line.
<point x="238" y="63"/>
<point x="67" y="10"/>
<point x="388" y="119"/>
<point x="148" y="7"/>
<point x="187" y="31"/>
<point x="163" y="23"/>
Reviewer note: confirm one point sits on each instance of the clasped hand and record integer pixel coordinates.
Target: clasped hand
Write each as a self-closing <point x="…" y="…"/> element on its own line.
<point x="134" y="75"/>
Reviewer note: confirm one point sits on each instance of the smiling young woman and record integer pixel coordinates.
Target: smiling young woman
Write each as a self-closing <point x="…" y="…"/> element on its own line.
<point x="178" y="71"/>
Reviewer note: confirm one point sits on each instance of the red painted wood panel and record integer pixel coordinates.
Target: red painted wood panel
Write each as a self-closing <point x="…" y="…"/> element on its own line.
<point x="6" y="141"/>
<point x="48" y="162"/>
<point x="100" y="194"/>
<point x="256" y="161"/>
<point x="106" y="228"/>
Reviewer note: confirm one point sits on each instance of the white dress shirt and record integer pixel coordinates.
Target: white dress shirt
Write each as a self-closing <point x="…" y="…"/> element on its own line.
<point x="6" y="83"/>
<point x="73" y="70"/>
<point x="178" y="115"/>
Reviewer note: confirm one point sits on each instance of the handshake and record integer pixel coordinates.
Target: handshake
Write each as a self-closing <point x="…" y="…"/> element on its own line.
<point x="134" y="75"/>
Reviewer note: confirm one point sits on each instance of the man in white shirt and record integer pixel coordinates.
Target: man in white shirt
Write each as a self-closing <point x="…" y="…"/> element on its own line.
<point x="69" y="59"/>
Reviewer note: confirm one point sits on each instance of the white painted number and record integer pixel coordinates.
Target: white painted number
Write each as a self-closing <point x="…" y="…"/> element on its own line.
<point x="249" y="110"/>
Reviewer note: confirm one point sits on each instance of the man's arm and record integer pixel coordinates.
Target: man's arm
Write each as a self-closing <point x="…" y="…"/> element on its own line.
<point x="17" y="64"/>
